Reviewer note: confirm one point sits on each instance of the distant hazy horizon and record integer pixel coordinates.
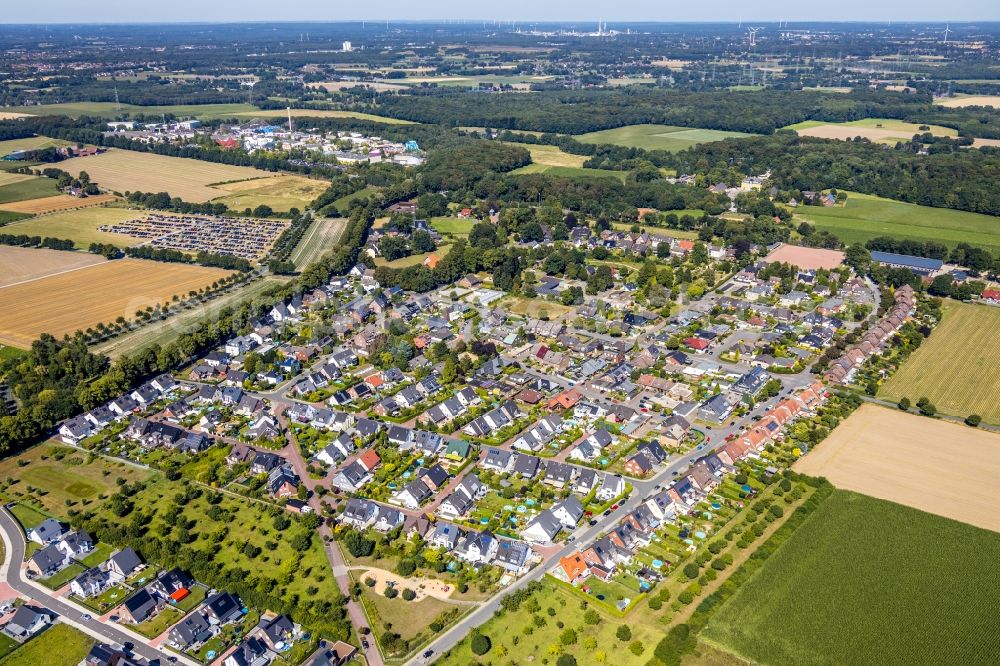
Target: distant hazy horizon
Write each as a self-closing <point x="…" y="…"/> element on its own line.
<point x="521" y="11"/>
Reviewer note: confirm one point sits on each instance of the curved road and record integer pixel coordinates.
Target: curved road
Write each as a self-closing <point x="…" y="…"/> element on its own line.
<point x="10" y="572"/>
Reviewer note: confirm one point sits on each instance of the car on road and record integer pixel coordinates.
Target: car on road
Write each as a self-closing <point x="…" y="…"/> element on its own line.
<point x="592" y="522"/>
<point x="571" y="539"/>
<point x="674" y="472"/>
<point x="86" y="616"/>
<point x="614" y="507"/>
<point x="365" y="644"/>
<point x="607" y="512"/>
<point x="428" y="654"/>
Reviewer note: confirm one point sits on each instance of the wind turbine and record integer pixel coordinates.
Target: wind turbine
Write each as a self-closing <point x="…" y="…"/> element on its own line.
<point x="753" y="36"/>
<point x="947" y="31"/>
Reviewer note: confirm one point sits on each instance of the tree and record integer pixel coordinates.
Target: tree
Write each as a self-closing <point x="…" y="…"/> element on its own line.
<point x="928" y="409"/>
<point x="568" y="636"/>
<point x="406" y="567"/>
<point x="904" y="403"/>
<point x="591" y="617"/>
<point x="422" y="242"/>
<point x="973" y="420"/>
<point x="636" y="648"/>
<point x="394" y="247"/>
<point x="623" y="633"/>
<point x="691" y="570"/>
<point x="480" y="644"/>
<point x="409" y="595"/>
<point x="566" y="660"/>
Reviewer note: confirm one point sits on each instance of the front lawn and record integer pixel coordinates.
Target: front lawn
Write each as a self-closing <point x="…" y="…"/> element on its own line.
<point x="162" y="621"/>
<point x="28" y="516"/>
<point x="58" y="579"/>
<point x="60" y="645"/>
<point x="101" y="552"/>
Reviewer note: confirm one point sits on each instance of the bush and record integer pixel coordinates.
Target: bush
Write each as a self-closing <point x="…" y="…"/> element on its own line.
<point x="973" y="420"/>
<point x="409" y="594"/>
<point x="370" y="582"/>
<point x="623" y="633"/>
<point x="566" y="660"/>
<point x="568" y="636"/>
<point x="655" y="603"/>
<point x="928" y="409"/>
<point x="636" y="648"/>
<point x="904" y="404"/>
<point x="391" y="593"/>
<point x="406" y="567"/>
<point x="592" y="617"/>
<point x="480" y="644"/>
<point x="691" y="570"/>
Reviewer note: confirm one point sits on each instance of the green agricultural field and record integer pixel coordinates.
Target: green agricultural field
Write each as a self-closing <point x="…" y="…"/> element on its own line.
<point x="50" y="482"/>
<point x="343" y="203"/>
<point x="865" y="581"/>
<point x="864" y="217"/>
<point x="7" y="216"/>
<point x="958" y="367"/>
<point x="34" y="188"/>
<point x="657" y="137"/>
<point x="60" y="645"/>
<point x="80" y="226"/>
<point x="321" y="237"/>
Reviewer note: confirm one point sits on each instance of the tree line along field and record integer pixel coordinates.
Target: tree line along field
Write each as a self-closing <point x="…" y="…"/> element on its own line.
<point x="657" y="137"/>
<point x="76" y="300"/>
<point x="957" y="367"/>
<point x="864" y="217"/>
<point x="865" y="581"/>
<point x="189" y="179"/>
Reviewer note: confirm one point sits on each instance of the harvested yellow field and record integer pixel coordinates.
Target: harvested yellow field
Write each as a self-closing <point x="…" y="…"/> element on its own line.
<point x="980" y="143"/>
<point x="936" y="466"/>
<point x="59" y="202"/>
<point x="21" y="264"/>
<point x="971" y="100"/>
<point x="9" y="115"/>
<point x="281" y="193"/>
<point x="29" y="143"/>
<point x="129" y="171"/>
<point x="72" y="301"/>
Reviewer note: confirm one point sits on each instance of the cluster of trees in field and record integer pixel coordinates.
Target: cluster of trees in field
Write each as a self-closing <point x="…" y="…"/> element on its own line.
<point x="163" y="201"/>
<point x="281" y="252"/>
<point x="203" y="258"/>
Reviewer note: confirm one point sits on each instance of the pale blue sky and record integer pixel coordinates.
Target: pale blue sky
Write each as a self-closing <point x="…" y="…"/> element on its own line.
<point x="95" y="11"/>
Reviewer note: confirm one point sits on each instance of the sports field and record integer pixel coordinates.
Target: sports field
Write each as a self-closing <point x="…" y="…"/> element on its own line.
<point x="970" y="100"/>
<point x="868" y="582"/>
<point x="958" y="367"/>
<point x="25" y="263"/>
<point x="23" y="189"/>
<point x="58" y="202"/>
<point x="321" y="237"/>
<point x="657" y="137"/>
<point x="455" y="226"/>
<point x="864" y="217"/>
<point x="189" y="179"/>
<point x="72" y="301"/>
<point x="875" y="129"/>
<point x="80" y="226"/>
<point x="936" y="466"/>
<point x="281" y="193"/>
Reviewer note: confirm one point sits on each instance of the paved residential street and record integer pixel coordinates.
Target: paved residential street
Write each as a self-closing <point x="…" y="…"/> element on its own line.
<point x="106" y="632"/>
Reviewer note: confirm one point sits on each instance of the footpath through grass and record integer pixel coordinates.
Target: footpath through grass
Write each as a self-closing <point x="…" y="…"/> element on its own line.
<point x="864" y="581"/>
